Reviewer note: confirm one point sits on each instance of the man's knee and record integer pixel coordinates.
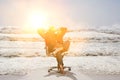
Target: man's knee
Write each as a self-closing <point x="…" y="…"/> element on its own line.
<point x="66" y="45"/>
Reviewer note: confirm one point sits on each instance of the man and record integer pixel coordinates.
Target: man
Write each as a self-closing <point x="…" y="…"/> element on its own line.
<point x="50" y="39"/>
<point x="55" y="45"/>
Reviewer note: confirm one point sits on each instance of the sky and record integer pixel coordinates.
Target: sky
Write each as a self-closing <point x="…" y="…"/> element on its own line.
<point x="61" y="12"/>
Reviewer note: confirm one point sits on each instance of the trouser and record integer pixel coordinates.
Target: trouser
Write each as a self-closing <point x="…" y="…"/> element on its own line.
<point x="58" y="55"/>
<point x="59" y="59"/>
<point x="59" y="51"/>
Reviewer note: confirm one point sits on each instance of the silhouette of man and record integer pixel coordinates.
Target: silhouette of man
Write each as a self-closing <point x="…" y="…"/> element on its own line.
<point x="55" y="45"/>
<point x="50" y="39"/>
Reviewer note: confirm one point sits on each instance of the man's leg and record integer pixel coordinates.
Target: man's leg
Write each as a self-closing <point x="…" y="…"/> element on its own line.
<point x="59" y="58"/>
<point x="58" y="53"/>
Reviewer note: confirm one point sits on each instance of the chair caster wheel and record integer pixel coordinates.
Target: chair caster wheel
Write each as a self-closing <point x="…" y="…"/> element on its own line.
<point x="69" y="69"/>
<point x="48" y="70"/>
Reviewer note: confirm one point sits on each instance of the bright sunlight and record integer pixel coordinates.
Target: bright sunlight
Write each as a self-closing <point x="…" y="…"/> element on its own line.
<point x="36" y="20"/>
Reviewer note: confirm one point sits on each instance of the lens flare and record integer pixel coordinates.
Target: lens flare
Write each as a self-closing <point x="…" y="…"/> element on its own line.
<point x="36" y="20"/>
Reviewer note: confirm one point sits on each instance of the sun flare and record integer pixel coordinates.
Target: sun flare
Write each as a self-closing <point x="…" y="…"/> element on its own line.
<point x="36" y="20"/>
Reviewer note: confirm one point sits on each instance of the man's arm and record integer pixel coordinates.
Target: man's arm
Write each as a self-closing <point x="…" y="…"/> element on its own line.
<point x="42" y="32"/>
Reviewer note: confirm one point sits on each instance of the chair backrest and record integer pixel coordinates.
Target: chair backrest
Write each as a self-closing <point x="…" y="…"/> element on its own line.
<point x="54" y="38"/>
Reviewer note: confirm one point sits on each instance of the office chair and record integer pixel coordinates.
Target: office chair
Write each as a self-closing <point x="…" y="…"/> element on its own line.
<point x="62" y="53"/>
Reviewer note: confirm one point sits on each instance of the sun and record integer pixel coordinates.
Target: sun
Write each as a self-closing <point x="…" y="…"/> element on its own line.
<point x="36" y="20"/>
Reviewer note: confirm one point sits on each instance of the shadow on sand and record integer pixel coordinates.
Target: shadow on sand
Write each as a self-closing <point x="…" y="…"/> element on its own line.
<point x="67" y="74"/>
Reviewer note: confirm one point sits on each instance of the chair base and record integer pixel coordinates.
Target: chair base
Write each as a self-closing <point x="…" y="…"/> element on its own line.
<point x="55" y="67"/>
